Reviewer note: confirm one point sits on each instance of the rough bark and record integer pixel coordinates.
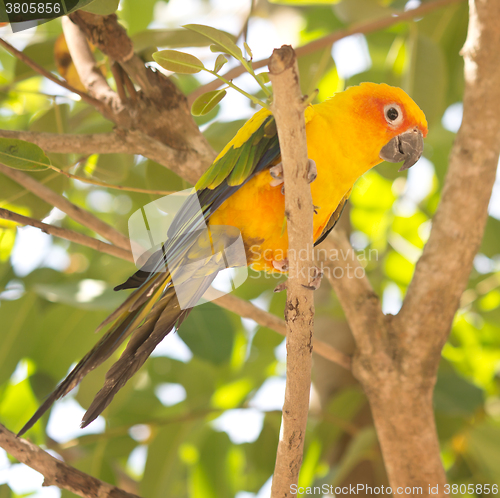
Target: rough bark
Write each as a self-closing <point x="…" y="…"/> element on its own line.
<point x="158" y="108"/>
<point x="288" y="109"/>
<point x="397" y="357"/>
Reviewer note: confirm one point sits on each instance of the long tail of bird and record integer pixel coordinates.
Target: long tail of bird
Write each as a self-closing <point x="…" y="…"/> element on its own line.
<point x="150" y="313"/>
<point x="167" y="287"/>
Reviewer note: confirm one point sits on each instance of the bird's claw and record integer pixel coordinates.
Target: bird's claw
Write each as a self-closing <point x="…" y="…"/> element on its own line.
<point x="280" y="287"/>
<point x="276" y="172"/>
<point x="312" y="171"/>
<point x="281" y="265"/>
<point x="317" y="275"/>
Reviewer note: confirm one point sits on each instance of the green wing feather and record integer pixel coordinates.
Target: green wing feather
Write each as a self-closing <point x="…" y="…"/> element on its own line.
<point x="244" y="154"/>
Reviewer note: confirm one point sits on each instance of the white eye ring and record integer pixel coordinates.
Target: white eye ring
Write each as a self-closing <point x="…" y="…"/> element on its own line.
<point x="393" y="114"/>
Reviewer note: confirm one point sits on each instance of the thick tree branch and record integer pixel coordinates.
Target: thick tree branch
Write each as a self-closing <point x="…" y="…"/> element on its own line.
<point x="457" y="229"/>
<point x="360" y="303"/>
<point x="288" y="109"/>
<point x="55" y="471"/>
<point x="158" y="112"/>
<point x="82" y="216"/>
<point x="187" y="165"/>
<point x="325" y="41"/>
<point x="397" y="357"/>
<point x="94" y="143"/>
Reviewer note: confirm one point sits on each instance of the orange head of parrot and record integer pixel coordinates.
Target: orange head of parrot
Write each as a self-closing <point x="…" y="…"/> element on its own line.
<point x="385" y="120"/>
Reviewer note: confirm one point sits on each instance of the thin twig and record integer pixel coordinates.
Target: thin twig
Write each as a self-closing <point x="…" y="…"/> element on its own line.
<point x="246" y="309"/>
<point x="66" y="143"/>
<point x="67" y="234"/>
<point x="43" y="72"/>
<point x="82" y="216"/>
<point x="99" y="183"/>
<point x="190" y="165"/>
<point x="325" y="41"/>
<point x="116" y="69"/>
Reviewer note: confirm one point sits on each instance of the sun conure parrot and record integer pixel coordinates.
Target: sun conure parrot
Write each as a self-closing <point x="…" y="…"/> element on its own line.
<point x="346" y="136"/>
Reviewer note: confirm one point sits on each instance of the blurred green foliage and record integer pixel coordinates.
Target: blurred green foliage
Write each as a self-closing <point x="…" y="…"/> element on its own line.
<point x="47" y="316"/>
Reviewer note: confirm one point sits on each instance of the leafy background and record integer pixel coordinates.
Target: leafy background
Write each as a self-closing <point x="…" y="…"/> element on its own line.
<point x="201" y="419"/>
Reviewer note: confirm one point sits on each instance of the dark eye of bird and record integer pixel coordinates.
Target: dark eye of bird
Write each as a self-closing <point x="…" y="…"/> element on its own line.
<point x="392" y="114"/>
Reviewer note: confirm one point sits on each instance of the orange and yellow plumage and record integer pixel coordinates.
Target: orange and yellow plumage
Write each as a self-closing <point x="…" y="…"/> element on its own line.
<point x="344" y="137"/>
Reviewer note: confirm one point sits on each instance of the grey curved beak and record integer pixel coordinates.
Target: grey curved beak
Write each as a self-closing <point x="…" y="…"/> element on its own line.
<point x="407" y="147"/>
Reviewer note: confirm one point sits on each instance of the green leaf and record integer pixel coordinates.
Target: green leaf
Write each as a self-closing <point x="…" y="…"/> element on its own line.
<point x="86" y="294"/>
<point x="20" y="329"/>
<point x="358" y="450"/>
<point x="206" y="102"/>
<point x="232" y="394"/>
<point x="72" y="335"/>
<point x="137" y="15"/>
<point x="483" y="446"/>
<point x="178" y="62"/>
<point x="172" y="38"/>
<point x="219" y="37"/>
<point x="113" y="168"/>
<point x="27" y="201"/>
<point x="17" y="404"/>
<point x="360" y="10"/>
<point x="42" y="53"/>
<point x="219" y="62"/>
<point x="208" y="333"/>
<point x="220" y="133"/>
<point x="19" y="154"/>
<point x="102" y="7"/>
<point x="163" y="465"/>
<point x="426" y="79"/>
<point x="73" y="6"/>
<point x="263" y="77"/>
<point x="7" y="240"/>
<point x="453" y="395"/>
<point x="218" y="48"/>
<point x="207" y="481"/>
<point x="248" y="49"/>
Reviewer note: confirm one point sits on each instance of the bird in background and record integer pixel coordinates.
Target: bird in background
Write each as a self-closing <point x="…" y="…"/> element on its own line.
<point x="242" y="193"/>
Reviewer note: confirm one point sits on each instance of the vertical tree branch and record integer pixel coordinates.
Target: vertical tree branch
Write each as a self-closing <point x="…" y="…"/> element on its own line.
<point x="397" y="357"/>
<point x="288" y="110"/>
<point x="443" y="270"/>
